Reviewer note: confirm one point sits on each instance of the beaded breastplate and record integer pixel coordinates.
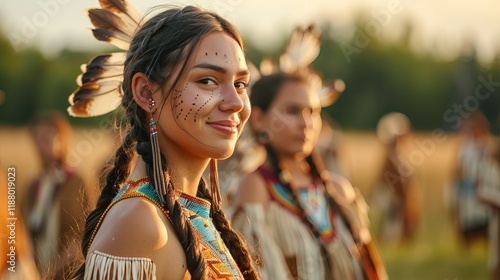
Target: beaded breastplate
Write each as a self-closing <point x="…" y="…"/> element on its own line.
<point x="312" y="199"/>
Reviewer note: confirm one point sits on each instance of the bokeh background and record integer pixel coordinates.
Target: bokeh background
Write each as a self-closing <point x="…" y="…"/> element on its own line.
<point x="434" y="61"/>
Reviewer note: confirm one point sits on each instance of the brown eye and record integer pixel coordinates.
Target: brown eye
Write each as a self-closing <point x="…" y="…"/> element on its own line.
<point x="292" y="110"/>
<point x="207" y="81"/>
<point x="241" y="85"/>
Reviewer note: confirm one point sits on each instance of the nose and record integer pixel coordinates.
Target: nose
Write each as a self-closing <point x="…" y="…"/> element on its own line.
<point x="231" y="99"/>
<point x="305" y="119"/>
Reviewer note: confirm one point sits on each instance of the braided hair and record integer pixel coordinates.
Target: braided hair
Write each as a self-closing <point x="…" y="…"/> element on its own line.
<point x="275" y="165"/>
<point x="264" y="92"/>
<point x="160" y="48"/>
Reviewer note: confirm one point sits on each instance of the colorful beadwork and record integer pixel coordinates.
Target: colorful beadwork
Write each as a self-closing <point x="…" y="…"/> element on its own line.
<point x="220" y="264"/>
<point x="312" y="199"/>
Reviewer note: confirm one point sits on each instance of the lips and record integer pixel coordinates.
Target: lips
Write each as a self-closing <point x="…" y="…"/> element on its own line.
<point x="225" y="126"/>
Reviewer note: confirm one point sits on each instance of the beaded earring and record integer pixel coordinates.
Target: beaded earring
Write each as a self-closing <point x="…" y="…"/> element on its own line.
<point x="263" y="137"/>
<point x="159" y="178"/>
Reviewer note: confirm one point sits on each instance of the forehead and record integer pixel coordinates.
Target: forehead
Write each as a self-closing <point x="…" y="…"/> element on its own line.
<point x="297" y="94"/>
<point x="220" y="48"/>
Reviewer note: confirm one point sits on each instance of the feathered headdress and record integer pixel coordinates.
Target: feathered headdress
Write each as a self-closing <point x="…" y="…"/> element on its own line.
<point x="100" y="84"/>
<point x="302" y="49"/>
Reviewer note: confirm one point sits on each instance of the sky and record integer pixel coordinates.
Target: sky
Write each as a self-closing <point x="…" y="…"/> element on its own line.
<point x="440" y="26"/>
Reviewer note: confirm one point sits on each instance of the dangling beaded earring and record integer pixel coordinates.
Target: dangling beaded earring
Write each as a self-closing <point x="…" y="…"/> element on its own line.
<point x="263" y="137"/>
<point x="159" y="179"/>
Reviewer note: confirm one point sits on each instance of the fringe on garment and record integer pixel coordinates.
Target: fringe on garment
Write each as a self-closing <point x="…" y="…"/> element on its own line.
<point x="287" y="249"/>
<point x="276" y="235"/>
<point x="102" y="266"/>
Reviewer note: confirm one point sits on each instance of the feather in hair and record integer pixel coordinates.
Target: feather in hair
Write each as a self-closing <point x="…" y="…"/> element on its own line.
<point x="330" y="92"/>
<point x="113" y="38"/>
<point x="303" y="48"/>
<point x="122" y="8"/>
<point x="95" y="98"/>
<point x="99" y="86"/>
<point x="111" y="28"/>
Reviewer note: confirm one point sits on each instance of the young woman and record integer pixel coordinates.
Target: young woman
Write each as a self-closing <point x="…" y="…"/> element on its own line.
<point x="303" y="222"/>
<point x="184" y="94"/>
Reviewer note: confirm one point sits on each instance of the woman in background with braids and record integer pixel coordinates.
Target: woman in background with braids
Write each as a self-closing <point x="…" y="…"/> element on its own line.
<point x="302" y="221"/>
<point x="184" y="94"/>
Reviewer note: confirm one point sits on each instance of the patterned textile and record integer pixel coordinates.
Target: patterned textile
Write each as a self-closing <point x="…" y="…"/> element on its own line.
<point x="286" y="246"/>
<point x="219" y="261"/>
<point x="319" y="212"/>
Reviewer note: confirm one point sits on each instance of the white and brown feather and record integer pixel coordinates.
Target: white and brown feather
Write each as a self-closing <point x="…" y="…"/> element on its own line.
<point x="100" y="84"/>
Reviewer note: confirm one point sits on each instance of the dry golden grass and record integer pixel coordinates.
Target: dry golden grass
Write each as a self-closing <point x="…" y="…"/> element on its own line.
<point x="434" y="254"/>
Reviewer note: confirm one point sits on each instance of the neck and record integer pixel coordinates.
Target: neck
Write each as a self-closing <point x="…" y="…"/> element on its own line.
<point x="184" y="175"/>
<point x="298" y="170"/>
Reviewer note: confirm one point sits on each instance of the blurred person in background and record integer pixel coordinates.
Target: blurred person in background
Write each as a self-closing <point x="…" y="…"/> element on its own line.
<point x="489" y="194"/>
<point x="474" y="168"/>
<point x="56" y="199"/>
<point x="302" y="221"/>
<point x="396" y="191"/>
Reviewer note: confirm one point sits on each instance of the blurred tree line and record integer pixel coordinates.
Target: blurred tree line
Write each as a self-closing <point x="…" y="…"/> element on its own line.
<point x="380" y="77"/>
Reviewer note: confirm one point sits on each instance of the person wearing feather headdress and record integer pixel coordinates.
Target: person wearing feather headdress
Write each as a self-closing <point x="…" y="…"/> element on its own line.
<point x="184" y="91"/>
<point x="301" y="221"/>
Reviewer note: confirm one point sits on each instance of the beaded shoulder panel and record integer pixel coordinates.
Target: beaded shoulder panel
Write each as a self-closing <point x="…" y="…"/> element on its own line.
<point x="220" y="263"/>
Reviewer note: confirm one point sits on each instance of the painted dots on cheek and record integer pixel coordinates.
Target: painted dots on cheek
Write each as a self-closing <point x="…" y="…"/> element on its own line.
<point x="178" y="101"/>
<point x="202" y="105"/>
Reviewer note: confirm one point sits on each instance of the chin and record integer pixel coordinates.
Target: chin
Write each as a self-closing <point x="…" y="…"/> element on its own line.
<point x="222" y="153"/>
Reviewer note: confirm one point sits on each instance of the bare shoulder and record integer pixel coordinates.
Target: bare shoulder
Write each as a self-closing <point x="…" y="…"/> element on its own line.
<point x="135" y="227"/>
<point x="252" y="189"/>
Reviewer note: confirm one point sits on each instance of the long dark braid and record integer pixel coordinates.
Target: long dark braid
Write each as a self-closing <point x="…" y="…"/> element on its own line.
<point x="183" y="229"/>
<point x="319" y="170"/>
<point x="275" y="164"/>
<point x="235" y="243"/>
<point x="115" y="176"/>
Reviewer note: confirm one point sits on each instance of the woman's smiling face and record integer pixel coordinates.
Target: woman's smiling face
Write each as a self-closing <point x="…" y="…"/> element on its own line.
<point x="205" y="114"/>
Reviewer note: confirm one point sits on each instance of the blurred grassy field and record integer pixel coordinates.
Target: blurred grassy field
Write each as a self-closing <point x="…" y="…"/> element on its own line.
<point x="435" y="253"/>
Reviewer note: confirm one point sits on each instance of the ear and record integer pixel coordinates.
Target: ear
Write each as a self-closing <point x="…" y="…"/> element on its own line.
<point x="256" y="117"/>
<point x="141" y="90"/>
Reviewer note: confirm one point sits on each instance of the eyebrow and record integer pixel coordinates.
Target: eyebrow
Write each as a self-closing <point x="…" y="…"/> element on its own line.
<point x="220" y="69"/>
